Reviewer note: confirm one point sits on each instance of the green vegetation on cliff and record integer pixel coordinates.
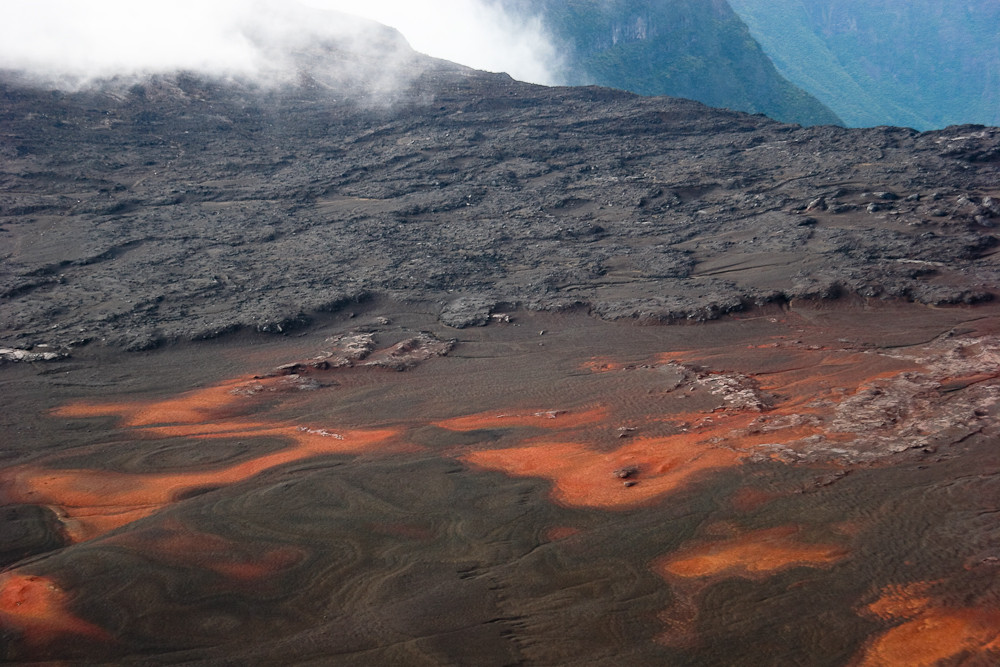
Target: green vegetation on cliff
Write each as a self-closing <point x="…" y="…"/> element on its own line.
<point x="918" y="63"/>
<point x="698" y="49"/>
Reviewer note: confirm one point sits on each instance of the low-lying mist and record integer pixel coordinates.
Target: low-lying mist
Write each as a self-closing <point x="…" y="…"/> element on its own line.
<point x="71" y="44"/>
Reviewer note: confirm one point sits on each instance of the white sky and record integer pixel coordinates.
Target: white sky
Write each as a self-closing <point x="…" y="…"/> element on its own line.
<point x="89" y="38"/>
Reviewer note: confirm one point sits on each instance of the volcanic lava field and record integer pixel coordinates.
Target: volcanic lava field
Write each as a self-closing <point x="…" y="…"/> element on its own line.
<point x="490" y="373"/>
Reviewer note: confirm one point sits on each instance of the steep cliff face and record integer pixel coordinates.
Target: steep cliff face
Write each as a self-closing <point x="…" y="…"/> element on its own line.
<point x="684" y="48"/>
<point x="920" y="63"/>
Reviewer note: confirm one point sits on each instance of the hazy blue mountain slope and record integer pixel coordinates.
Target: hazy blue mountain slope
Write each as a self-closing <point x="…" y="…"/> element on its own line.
<point x="919" y="63"/>
<point x="698" y="49"/>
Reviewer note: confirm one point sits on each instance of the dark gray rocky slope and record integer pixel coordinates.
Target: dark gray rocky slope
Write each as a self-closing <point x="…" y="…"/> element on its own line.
<point x="182" y="207"/>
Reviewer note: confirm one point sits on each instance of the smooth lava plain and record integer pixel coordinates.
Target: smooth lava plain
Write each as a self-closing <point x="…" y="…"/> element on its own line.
<point x="801" y="485"/>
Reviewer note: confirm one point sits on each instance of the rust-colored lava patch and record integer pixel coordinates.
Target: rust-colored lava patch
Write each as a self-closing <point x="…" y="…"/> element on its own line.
<point x="37" y="610"/>
<point x="624" y="436"/>
<point x="752" y="555"/>
<point x="93" y="502"/>
<point x="603" y="364"/>
<point x="789" y="403"/>
<point x="202" y="406"/>
<point x="781" y="401"/>
<point x="628" y="476"/>
<point x="557" y="533"/>
<point x="176" y="544"/>
<point x="749" y="499"/>
<point x="930" y="634"/>
<point x="563" y="420"/>
<point x="645" y="468"/>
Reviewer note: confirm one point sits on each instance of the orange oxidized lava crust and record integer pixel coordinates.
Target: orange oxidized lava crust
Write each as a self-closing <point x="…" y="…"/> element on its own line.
<point x="548" y="419"/>
<point x="38" y="610"/>
<point x="754" y="555"/>
<point x="93" y="502"/>
<point x="930" y="633"/>
<point x="177" y="544"/>
<point x="646" y="431"/>
<point x="751" y="555"/>
<point x="773" y="415"/>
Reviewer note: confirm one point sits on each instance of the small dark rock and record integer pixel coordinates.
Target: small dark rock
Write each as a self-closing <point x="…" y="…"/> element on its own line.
<point x="627" y="472"/>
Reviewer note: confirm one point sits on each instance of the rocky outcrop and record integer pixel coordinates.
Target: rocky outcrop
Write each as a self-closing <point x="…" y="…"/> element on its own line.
<point x="39" y="354"/>
<point x="467" y="312"/>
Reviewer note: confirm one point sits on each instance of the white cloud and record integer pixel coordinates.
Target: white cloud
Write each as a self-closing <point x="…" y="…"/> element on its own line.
<point x="464" y="31"/>
<point x="101" y="37"/>
<point x="84" y="39"/>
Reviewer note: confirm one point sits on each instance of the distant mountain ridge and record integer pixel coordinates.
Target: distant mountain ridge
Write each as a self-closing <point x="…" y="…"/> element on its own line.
<point x="697" y="49"/>
<point x="918" y="63"/>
